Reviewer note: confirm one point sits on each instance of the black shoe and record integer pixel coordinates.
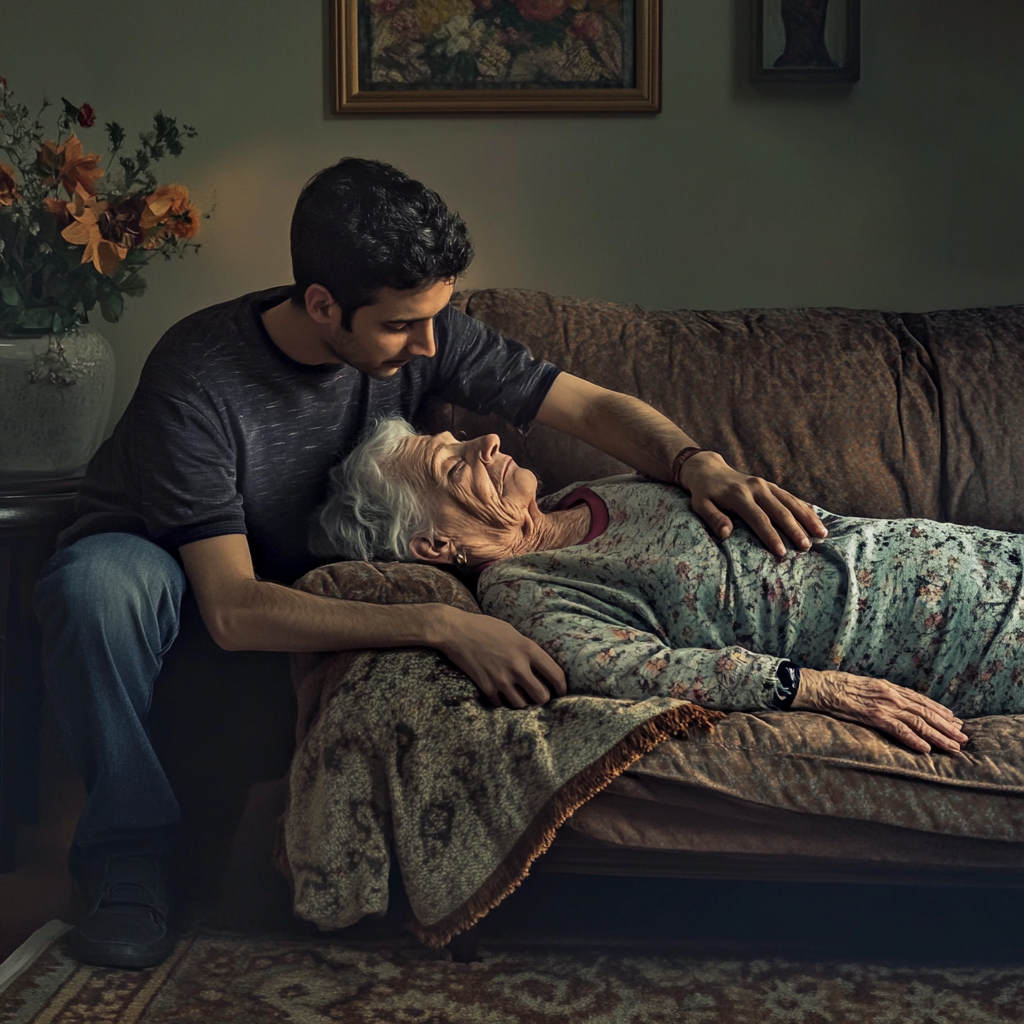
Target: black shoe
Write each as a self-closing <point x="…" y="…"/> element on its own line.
<point x="122" y="919"/>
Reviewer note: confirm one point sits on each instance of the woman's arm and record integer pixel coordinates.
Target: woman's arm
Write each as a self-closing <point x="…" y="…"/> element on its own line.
<point x="915" y="720"/>
<point x="602" y="655"/>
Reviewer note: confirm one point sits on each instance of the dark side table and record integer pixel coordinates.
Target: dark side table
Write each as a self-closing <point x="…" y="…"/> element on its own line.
<point x="32" y="513"/>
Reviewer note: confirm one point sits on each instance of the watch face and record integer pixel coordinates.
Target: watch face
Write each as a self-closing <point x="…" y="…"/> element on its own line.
<point x="786" y="686"/>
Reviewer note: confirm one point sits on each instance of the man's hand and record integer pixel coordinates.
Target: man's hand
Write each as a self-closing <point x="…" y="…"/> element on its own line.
<point x="502" y="662"/>
<point x="632" y="432"/>
<point x="714" y="485"/>
<point x="918" y="722"/>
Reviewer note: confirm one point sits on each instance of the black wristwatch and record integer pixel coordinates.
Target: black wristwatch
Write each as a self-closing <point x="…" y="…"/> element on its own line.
<point x="787" y="682"/>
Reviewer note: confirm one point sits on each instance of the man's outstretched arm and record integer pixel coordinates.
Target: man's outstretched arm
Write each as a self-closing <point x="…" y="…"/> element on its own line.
<point x="634" y="433"/>
<point x="246" y="614"/>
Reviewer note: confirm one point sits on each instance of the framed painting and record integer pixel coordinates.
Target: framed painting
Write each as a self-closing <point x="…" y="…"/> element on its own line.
<point x="806" y="41"/>
<point x="496" y="56"/>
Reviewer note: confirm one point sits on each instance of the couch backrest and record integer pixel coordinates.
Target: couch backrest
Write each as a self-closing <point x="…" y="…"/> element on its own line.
<point x="863" y="412"/>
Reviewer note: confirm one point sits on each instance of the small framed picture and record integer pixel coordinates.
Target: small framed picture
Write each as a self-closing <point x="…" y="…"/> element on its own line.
<point x="806" y="41"/>
<point x="496" y="56"/>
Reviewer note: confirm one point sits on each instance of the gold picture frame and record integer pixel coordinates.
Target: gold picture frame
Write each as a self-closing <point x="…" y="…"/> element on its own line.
<point x="394" y="57"/>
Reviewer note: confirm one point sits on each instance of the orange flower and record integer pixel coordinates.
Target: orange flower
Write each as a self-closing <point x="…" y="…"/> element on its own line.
<point x="171" y="212"/>
<point x="9" y="194"/>
<point x="59" y="208"/>
<point x="69" y="166"/>
<point x="88" y="214"/>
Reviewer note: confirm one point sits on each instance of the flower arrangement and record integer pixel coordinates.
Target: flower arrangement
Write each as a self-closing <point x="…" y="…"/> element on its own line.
<point x="73" y="233"/>
<point x="496" y="43"/>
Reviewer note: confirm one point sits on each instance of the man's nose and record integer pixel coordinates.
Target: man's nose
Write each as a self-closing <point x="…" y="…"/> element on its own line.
<point x="421" y="340"/>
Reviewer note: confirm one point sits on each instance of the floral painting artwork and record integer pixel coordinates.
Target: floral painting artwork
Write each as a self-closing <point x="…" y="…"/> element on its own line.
<point x="480" y="44"/>
<point x="436" y="54"/>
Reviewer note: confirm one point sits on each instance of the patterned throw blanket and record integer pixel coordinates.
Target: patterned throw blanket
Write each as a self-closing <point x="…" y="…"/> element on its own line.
<point x="398" y="755"/>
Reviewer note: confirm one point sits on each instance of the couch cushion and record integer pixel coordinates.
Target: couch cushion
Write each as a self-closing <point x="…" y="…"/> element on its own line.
<point x="724" y="835"/>
<point x="977" y="362"/>
<point x="861" y="411"/>
<point x="838" y="405"/>
<point x="810" y="763"/>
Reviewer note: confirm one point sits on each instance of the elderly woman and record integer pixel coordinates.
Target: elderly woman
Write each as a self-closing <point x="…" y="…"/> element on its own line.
<point x="901" y="625"/>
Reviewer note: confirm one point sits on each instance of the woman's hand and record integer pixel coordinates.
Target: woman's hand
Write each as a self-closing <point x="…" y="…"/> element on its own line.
<point x="916" y="721"/>
<point x="714" y="485"/>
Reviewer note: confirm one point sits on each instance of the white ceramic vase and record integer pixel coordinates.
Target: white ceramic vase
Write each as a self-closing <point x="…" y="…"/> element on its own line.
<point x="55" y="394"/>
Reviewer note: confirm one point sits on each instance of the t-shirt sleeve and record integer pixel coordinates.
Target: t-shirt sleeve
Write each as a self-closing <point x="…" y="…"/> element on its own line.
<point x="183" y="461"/>
<point x="604" y="655"/>
<point x="480" y="369"/>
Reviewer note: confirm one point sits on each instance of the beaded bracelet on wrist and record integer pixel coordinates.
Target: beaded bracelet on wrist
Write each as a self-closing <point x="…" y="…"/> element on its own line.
<point x="679" y="461"/>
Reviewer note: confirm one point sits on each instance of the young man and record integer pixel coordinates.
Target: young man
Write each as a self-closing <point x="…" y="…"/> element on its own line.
<point x="210" y="477"/>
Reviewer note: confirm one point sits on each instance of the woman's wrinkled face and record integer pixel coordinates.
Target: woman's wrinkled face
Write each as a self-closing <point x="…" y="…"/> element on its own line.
<point x="481" y="498"/>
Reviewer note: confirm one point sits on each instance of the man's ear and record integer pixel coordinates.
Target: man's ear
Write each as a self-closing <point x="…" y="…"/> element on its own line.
<point x="436" y="550"/>
<point x="319" y="303"/>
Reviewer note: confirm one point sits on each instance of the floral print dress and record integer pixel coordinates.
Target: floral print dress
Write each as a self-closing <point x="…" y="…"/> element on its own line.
<point x="653" y="606"/>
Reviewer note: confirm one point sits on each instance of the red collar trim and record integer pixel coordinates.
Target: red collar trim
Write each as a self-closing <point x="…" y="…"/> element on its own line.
<point x="598" y="510"/>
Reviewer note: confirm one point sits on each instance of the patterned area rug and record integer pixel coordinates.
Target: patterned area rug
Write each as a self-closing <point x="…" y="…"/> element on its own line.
<point x="221" y="980"/>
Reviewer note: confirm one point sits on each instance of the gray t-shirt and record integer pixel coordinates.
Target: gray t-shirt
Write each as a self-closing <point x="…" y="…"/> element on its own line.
<point x="226" y="434"/>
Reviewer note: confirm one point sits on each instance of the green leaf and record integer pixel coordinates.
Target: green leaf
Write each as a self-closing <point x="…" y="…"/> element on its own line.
<point x="70" y="109"/>
<point x="136" y="258"/>
<point x="133" y="286"/>
<point x="115" y="133"/>
<point x="73" y="257"/>
<point x="112" y="306"/>
<point x="36" y="319"/>
<point x="10" y="297"/>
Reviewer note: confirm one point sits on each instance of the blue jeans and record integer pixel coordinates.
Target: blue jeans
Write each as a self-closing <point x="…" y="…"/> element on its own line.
<point x="110" y="607"/>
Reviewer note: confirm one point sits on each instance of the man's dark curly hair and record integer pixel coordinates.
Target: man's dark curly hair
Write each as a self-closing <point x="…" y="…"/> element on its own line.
<point x="363" y="225"/>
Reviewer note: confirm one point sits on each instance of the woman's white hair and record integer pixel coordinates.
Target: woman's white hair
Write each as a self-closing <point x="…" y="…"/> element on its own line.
<point x="373" y="512"/>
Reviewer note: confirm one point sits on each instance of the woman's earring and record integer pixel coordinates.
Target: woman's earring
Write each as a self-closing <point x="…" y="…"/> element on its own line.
<point x="461" y="560"/>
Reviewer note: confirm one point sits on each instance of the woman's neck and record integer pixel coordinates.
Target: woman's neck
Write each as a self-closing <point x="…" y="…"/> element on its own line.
<point x="559" y="529"/>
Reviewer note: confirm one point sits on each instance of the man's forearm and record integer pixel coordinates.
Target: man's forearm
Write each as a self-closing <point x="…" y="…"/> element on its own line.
<point x="618" y="425"/>
<point x="636" y="434"/>
<point x="254" y="615"/>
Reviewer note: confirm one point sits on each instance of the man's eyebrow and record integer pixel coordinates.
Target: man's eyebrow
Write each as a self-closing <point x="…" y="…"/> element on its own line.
<point x="408" y="319"/>
<point x="413" y="319"/>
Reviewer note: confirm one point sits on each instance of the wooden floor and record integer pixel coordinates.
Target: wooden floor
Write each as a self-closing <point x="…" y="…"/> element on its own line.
<point x="39" y="889"/>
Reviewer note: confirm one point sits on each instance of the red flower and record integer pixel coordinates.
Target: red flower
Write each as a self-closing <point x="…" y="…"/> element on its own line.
<point x="86" y="116"/>
<point x="406" y="24"/>
<point x="540" y="10"/>
<point x="586" y="26"/>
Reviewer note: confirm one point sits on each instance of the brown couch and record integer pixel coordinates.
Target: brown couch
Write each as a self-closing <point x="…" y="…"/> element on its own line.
<point x="864" y="413"/>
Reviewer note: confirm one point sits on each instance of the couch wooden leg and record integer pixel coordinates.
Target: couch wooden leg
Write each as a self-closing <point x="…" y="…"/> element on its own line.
<point x="464" y="947"/>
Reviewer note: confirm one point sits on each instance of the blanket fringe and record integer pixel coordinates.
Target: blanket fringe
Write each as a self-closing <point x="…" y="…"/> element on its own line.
<point x="508" y="875"/>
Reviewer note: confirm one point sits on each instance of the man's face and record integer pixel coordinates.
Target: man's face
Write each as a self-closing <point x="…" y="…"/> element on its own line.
<point x="398" y="327"/>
